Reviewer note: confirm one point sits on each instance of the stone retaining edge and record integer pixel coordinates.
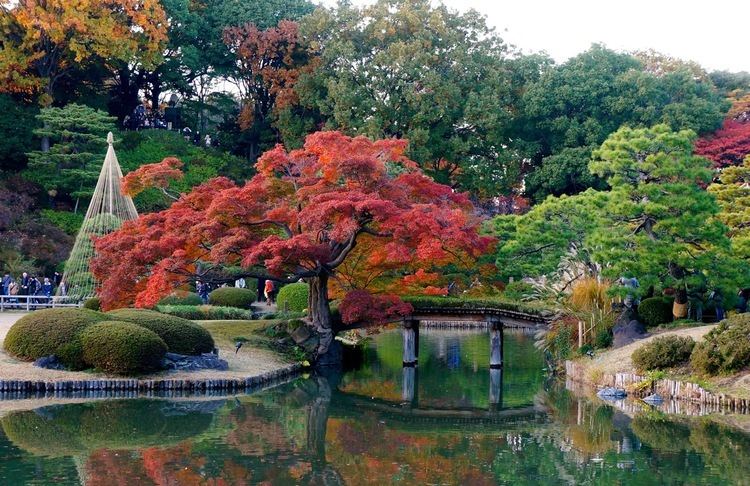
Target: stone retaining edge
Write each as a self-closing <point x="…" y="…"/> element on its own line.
<point x="673" y="389"/>
<point x="15" y="389"/>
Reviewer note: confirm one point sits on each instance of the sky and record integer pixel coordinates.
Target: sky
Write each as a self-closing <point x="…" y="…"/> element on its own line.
<point x="713" y="33"/>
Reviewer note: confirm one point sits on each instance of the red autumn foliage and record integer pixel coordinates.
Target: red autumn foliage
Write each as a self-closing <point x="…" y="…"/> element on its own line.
<point x="269" y="62"/>
<point x="727" y="146"/>
<point x="361" y="306"/>
<point x="301" y="216"/>
<point x="158" y="175"/>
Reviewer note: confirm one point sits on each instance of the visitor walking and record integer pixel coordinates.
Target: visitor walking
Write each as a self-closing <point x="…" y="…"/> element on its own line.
<point x="240" y="283"/>
<point x="56" y="279"/>
<point x="202" y="289"/>
<point x="718" y="300"/>
<point x="743" y="297"/>
<point x="24" y="290"/>
<point x="7" y="280"/>
<point x="47" y="288"/>
<point x="268" y="291"/>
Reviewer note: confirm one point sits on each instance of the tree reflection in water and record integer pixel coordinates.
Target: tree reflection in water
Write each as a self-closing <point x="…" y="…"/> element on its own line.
<point x="326" y="429"/>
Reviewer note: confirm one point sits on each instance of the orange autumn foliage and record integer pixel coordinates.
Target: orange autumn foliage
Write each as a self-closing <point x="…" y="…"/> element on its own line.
<point x="44" y="39"/>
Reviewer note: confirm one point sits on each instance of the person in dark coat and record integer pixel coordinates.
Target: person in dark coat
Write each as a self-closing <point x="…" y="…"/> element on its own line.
<point x="47" y="288"/>
<point x="24" y="284"/>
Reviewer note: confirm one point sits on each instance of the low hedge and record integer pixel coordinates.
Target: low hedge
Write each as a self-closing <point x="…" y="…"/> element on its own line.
<point x="663" y="352"/>
<point x="205" y="312"/>
<point x="181" y="298"/>
<point x="656" y="310"/>
<point x="122" y="348"/>
<point x="93" y="304"/>
<point x="293" y="297"/>
<point x="181" y="335"/>
<point x="726" y="348"/>
<point x="430" y="302"/>
<point x="51" y="331"/>
<point x="232" y="297"/>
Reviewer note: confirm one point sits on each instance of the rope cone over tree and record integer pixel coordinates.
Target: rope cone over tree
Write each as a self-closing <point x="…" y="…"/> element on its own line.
<point x="108" y="209"/>
<point x="301" y="217"/>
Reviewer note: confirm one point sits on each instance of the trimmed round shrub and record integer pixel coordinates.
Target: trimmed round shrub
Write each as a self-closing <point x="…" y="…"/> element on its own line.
<point x="51" y="331"/>
<point x="663" y="352"/>
<point x="726" y="348"/>
<point x="181" y="298"/>
<point x="232" y="297"/>
<point x="181" y="335"/>
<point x="93" y="304"/>
<point x="122" y="348"/>
<point x="655" y="311"/>
<point x="293" y="297"/>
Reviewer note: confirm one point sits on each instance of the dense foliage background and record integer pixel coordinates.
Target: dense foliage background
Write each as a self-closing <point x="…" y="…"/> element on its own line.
<point x="589" y="163"/>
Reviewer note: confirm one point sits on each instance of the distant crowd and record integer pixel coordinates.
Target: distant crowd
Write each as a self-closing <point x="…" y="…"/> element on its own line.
<point x="32" y="285"/>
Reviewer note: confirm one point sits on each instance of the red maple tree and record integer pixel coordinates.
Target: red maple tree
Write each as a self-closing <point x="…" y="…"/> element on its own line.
<point x="728" y="145"/>
<point x="301" y="216"/>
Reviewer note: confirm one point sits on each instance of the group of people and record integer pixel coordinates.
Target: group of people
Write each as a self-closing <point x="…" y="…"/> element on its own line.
<point x="42" y="288"/>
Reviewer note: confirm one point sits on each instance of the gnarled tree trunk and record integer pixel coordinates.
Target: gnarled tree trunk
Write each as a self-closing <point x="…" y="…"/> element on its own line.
<point x="320" y="311"/>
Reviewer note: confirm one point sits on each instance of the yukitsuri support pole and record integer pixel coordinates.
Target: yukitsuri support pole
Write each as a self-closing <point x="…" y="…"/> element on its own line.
<point x="496" y="343"/>
<point x="411" y="342"/>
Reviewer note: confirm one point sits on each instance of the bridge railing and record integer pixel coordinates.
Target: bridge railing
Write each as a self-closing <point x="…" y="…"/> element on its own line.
<point x="32" y="302"/>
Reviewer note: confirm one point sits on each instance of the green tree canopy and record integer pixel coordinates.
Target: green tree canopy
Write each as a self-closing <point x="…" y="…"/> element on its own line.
<point x="733" y="195"/>
<point x="662" y="225"/>
<point x="72" y="164"/>
<point x="578" y="104"/>
<point x="441" y="79"/>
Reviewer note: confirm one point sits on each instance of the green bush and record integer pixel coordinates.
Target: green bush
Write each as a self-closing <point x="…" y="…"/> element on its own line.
<point x="181" y="298"/>
<point x="663" y="352"/>
<point x="181" y="335"/>
<point x="205" y="312"/>
<point x="292" y="297"/>
<point x="49" y="331"/>
<point x="726" y="348"/>
<point x="65" y="220"/>
<point x="655" y="311"/>
<point x="232" y="297"/>
<point x="517" y="290"/>
<point x="93" y="303"/>
<point x="122" y="348"/>
<point x="603" y="339"/>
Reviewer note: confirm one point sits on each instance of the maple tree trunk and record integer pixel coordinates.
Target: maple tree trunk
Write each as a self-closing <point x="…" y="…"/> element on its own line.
<point x="320" y="311"/>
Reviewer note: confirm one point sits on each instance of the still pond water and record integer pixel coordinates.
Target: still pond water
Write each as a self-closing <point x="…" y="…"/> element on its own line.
<point x="454" y="421"/>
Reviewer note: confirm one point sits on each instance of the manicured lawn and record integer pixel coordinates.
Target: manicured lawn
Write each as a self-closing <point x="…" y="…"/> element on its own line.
<point x="229" y="332"/>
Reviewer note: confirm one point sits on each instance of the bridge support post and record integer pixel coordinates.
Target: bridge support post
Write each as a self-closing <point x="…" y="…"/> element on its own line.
<point x="409" y="395"/>
<point x="496" y="343"/>
<point x="496" y="388"/>
<point x="411" y="342"/>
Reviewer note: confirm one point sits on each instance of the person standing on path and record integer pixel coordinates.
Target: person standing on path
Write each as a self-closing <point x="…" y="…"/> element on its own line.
<point x="202" y="290"/>
<point x="268" y="291"/>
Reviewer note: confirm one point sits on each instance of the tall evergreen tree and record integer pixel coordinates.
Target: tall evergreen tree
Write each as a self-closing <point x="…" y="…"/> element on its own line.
<point x="71" y="166"/>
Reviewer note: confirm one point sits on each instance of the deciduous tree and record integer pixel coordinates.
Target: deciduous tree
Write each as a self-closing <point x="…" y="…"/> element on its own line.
<point x="42" y="40"/>
<point x="727" y="146"/>
<point x="301" y="216"/>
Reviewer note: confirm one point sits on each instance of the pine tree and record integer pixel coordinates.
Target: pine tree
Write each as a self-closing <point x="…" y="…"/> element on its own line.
<point x="663" y="226"/>
<point x="78" y="142"/>
<point x="733" y="195"/>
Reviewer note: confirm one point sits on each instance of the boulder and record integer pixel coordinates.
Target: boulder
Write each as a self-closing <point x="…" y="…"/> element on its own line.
<point x="205" y="361"/>
<point x="654" y="399"/>
<point x="611" y="393"/>
<point x="301" y="334"/>
<point x="627" y="329"/>
<point x="49" y="362"/>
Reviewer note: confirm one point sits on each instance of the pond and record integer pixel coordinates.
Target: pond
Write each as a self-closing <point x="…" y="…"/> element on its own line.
<point x="450" y="421"/>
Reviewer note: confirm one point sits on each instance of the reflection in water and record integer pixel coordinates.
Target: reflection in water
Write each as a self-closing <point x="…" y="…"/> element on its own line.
<point x="380" y="424"/>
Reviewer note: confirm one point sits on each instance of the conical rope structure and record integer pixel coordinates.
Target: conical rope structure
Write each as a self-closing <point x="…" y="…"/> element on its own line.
<point x="107" y="211"/>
